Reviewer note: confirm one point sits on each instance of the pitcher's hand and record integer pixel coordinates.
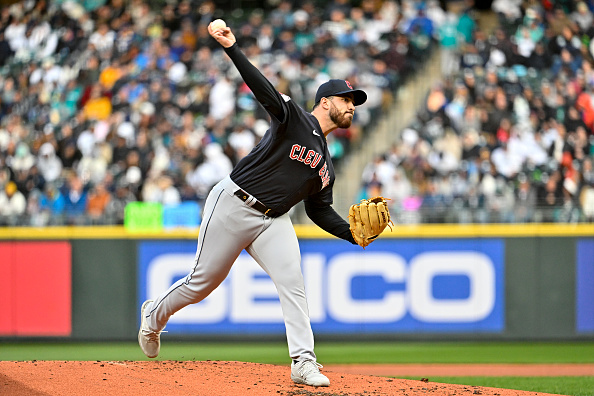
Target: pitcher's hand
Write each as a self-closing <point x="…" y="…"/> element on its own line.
<point x="224" y="36"/>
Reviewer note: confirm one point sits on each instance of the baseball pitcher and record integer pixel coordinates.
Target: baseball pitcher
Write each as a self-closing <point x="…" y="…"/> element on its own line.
<point x="249" y="210"/>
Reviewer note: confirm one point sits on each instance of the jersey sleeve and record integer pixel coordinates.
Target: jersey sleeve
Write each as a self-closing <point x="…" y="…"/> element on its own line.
<point x="323" y="197"/>
<point x="273" y="101"/>
<point x="325" y="217"/>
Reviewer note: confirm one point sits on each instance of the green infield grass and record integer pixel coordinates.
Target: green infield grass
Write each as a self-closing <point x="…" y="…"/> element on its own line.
<point x="341" y="352"/>
<point x="328" y="352"/>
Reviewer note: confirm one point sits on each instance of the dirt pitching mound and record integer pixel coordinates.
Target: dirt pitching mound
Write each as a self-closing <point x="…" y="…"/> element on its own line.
<point x="210" y="378"/>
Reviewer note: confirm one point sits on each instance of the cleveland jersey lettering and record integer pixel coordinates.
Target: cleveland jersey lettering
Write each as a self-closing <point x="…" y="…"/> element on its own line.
<point x="325" y="175"/>
<point x="311" y="158"/>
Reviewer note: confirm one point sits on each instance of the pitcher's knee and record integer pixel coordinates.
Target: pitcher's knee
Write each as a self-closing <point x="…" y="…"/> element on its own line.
<point x="198" y="291"/>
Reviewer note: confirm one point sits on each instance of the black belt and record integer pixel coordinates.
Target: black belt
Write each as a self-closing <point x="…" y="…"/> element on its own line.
<point x="259" y="206"/>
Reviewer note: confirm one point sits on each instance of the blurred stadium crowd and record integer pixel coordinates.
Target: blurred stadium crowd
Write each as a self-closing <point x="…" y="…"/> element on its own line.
<point x="106" y="102"/>
<point x="508" y="133"/>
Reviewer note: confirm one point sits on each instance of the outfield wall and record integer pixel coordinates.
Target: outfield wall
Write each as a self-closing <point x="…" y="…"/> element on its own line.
<point x="419" y="282"/>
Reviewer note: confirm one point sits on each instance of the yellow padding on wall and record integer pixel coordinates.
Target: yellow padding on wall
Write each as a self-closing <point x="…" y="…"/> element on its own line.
<point x="312" y="231"/>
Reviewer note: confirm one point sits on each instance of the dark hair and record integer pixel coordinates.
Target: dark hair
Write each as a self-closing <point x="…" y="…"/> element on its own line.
<point x="318" y="102"/>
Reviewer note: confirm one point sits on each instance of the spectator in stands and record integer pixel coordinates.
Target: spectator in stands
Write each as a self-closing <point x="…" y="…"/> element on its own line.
<point x="116" y="207"/>
<point x="75" y="201"/>
<point x="242" y="140"/>
<point x="222" y="98"/>
<point x="98" y="200"/>
<point x="215" y="166"/>
<point x="103" y="39"/>
<point x="12" y="205"/>
<point x="98" y="106"/>
<point x="509" y="13"/>
<point x="161" y="190"/>
<point x="48" y="163"/>
<point x="51" y="203"/>
<point x="450" y="44"/>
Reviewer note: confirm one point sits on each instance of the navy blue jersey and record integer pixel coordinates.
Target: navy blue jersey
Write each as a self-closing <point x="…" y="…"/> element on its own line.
<point x="291" y="163"/>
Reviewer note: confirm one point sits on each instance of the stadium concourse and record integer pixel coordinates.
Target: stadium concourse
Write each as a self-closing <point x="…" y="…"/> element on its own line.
<point x="109" y="102"/>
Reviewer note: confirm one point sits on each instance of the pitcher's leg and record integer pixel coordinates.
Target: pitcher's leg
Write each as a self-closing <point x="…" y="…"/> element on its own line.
<point x="219" y="244"/>
<point x="277" y="251"/>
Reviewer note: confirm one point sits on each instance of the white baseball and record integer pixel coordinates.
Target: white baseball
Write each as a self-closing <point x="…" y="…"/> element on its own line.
<point x="218" y="24"/>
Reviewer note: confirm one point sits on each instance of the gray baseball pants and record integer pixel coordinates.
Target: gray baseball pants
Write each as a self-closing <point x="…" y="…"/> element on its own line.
<point x="230" y="225"/>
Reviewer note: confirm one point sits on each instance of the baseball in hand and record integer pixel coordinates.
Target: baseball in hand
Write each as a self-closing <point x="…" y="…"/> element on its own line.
<point x="218" y="24"/>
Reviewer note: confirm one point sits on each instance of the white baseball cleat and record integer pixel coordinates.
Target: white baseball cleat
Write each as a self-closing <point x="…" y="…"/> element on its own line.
<point x="149" y="340"/>
<point x="308" y="372"/>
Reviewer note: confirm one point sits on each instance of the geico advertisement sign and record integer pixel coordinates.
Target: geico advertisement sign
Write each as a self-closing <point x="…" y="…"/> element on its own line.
<point x="457" y="290"/>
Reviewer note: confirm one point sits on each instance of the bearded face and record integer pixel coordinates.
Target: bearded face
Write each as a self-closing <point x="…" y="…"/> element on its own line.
<point x="341" y="119"/>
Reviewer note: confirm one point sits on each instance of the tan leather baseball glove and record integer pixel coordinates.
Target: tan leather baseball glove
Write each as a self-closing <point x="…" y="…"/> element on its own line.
<point x="368" y="219"/>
